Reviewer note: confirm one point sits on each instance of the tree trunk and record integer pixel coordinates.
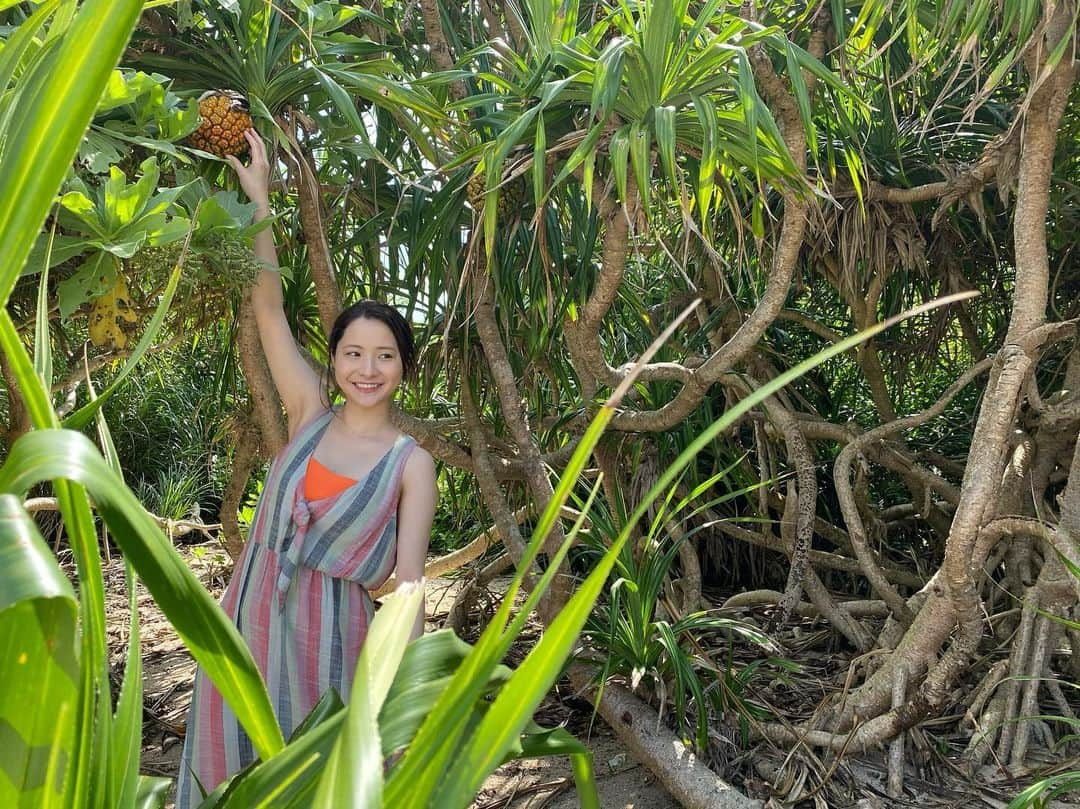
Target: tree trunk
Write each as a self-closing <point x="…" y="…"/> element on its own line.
<point x="955" y="602"/>
<point x="265" y="404"/>
<point x="674" y="764"/>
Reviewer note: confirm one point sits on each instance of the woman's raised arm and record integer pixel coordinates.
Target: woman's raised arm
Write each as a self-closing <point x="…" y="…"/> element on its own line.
<point x="295" y="380"/>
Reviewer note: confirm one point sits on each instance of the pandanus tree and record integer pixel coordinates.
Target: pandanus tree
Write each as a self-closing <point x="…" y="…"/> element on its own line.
<point x="546" y="185"/>
<point x="903" y="210"/>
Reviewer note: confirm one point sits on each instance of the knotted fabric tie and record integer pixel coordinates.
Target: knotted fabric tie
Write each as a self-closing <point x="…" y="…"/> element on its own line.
<point x="301" y="517"/>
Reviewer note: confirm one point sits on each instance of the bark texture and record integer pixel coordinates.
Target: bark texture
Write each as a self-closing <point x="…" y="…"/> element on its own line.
<point x="674" y="764"/>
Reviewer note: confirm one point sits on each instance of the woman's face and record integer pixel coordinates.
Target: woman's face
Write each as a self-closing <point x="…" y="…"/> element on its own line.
<point x="367" y="363"/>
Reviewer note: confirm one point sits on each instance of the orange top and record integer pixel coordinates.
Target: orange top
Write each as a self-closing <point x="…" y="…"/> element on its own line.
<point x="320" y="482"/>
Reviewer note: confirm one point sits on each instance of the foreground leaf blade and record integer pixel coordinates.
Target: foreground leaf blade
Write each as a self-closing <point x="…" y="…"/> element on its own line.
<point x="38" y="665"/>
<point x="205" y="629"/>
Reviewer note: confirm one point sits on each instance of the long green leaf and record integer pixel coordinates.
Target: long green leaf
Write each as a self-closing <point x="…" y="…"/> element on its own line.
<point x="354" y="774"/>
<point x="51" y="122"/>
<point x="290" y="778"/>
<point x="86" y="787"/>
<point x="664" y="122"/>
<point x="42" y="344"/>
<point x="619" y="151"/>
<point x="541" y="742"/>
<point x="657" y="39"/>
<point x="200" y="623"/>
<point x="38" y="665"/>
<point x="707" y="166"/>
<point x="125" y="739"/>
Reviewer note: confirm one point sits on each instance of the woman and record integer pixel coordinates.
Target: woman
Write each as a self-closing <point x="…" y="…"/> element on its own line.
<point x="347" y="501"/>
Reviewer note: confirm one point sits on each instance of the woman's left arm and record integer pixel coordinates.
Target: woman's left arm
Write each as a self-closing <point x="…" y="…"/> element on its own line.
<point x="416" y="511"/>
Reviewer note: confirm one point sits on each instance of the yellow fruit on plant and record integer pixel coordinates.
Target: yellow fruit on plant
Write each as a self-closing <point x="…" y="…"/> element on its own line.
<point x="223" y="118"/>
<point x="108" y="312"/>
<point x="474" y="190"/>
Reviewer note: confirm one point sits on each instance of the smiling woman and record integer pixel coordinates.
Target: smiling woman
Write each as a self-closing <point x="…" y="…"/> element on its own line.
<point x="347" y="502"/>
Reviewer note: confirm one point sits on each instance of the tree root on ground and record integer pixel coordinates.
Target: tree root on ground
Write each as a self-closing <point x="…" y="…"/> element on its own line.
<point x="638" y="728"/>
<point x="458" y="615"/>
<point x="770" y="598"/>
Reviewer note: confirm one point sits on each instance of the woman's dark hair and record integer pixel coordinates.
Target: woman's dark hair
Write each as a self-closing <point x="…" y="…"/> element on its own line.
<point x="375" y="310"/>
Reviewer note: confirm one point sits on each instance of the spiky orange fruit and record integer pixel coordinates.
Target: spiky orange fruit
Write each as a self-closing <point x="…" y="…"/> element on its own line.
<point x="223" y="118"/>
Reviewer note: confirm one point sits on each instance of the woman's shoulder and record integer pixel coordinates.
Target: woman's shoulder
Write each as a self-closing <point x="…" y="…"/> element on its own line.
<point x="420" y="464"/>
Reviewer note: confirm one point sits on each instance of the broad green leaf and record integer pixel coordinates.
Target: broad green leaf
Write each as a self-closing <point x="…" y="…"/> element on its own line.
<point x="427" y="666"/>
<point x="354" y="773"/>
<point x="152" y="792"/>
<point x="93" y="278"/>
<point x="38" y="665"/>
<point x="43" y="138"/>
<point x="64" y="248"/>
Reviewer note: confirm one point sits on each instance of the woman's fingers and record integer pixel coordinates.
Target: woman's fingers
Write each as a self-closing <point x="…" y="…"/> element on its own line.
<point x="254" y="175"/>
<point x="258" y="148"/>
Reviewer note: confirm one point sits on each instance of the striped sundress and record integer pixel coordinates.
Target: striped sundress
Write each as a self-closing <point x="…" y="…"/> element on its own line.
<point x="300" y="598"/>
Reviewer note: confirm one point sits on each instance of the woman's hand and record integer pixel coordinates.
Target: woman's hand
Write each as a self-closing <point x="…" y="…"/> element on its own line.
<point x="254" y="177"/>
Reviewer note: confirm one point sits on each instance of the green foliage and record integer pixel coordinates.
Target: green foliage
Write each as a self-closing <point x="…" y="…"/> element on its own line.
<point x="112" y="222"/>
<point x="171" y="430"/>
<point x="658" y="95"/>
<point x="640" y="634"/>
<point x="137" y="109"/>
<point x="37" y="632"/>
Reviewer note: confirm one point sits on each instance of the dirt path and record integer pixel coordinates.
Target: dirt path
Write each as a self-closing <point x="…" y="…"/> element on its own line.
<point x="169" y="673"/>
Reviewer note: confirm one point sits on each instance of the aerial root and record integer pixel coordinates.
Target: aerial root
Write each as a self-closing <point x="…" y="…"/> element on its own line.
<point x="463" y="601"/>
<point x="895" y="784"/>
<point x="986" y="727"/>
<point x="1037" y="670"/>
